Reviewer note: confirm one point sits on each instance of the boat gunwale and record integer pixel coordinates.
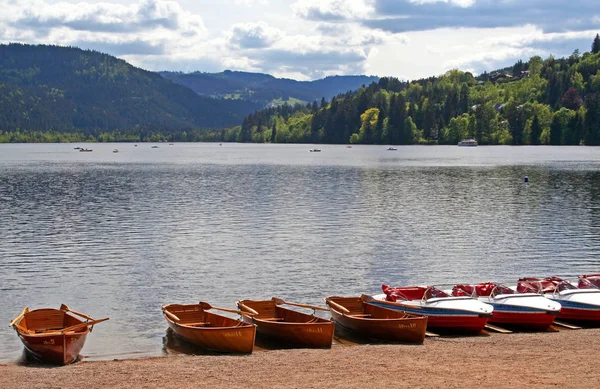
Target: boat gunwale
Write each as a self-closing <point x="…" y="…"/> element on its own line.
<point x="241" y="323"/>
<point x="411" y="316"/>
<point x="22" y="331"/>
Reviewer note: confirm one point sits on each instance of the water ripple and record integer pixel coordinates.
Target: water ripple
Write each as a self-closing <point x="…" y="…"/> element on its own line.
<point x="121" y="234"/>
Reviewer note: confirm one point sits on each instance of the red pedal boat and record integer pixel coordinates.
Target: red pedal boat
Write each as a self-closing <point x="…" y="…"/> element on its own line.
<point x="445" y="313"/>
<point x="578" y="304"/>
<point x="529" y="311"/>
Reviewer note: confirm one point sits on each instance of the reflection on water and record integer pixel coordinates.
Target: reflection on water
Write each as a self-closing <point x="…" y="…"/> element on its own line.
<point x="119" y="235"/>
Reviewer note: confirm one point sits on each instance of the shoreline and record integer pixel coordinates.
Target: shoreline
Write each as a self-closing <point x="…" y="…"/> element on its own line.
<point x="563" y="358"/>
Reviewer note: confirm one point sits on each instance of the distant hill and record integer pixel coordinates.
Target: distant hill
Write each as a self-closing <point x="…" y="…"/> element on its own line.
<point x="266" y="89"/>
<point x="65" y="89"/>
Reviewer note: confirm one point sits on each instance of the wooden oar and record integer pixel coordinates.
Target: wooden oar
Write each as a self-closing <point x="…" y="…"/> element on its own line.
<point x="367" y="299"/>
<point x="206" y="306"/>
<point x="171" y="315"/>
<point x="250" y="310"/>
<point x="86" y="324"/>
<point x="74" y="327"/>
<point x="337" y="306"/>
<point x="12" y="323"/>
<point x="64" y="307"/>
<point x="279" y="301"/>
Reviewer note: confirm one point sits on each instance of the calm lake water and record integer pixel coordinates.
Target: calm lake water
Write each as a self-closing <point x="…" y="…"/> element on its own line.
<point x="120" y="234"/>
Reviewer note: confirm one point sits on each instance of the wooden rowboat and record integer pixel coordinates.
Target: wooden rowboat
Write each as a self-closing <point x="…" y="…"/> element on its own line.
<point x="292" y="328"/>
<point x="208" y="330"/>
<point x="53" y="336"/>
<point x="376" y="322"/>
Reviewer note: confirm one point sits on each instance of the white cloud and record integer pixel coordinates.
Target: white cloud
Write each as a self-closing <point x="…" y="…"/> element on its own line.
<point x="253" y="35"/>
<point x="250" y="3"/>
<point x="306" y="39"/>
<point x="332" y="10"/>
<point x="459" y="3"/>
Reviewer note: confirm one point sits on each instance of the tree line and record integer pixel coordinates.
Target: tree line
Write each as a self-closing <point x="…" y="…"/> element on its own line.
<point x="540" y="101"/>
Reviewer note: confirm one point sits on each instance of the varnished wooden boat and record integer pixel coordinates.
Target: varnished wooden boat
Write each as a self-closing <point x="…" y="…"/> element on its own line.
<point x="291" y="328"/>
<point x="208" y="330"/>
<point x="54" y="336"/>
<point x="376" y="322"/>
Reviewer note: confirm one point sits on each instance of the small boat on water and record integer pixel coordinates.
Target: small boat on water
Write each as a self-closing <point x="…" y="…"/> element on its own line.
<point x="577" y="304"/>
<point x="348" y="147"/>
<point x="85" y="150"/>
<point x="194" y="324"/>
<point x="77" y="148"/>
<point x="292" y="328"/>
<point x="315" y="150"/>
<point x="115" y="151"/>
<point x="54" y="336"/>
<point x="468" y="143"/>
<point x="392" y="148"/>
<point x="445" y="313"/>
<point x="376" y="322"/>
<point x="529" y="311"/>
<point x="154" y="147"/>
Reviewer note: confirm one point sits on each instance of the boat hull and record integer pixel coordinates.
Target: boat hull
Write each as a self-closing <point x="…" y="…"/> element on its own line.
<point x="289" y="327"/>
<point x="526" y="311"/>
<point x="528" y="321"/>
<point x="208" y="330"/>
<point x="382" y="323"/>
<point x="580" y="315"/>
<point x="309" y="335"/>
<point x="239" y="340"/>
<point x="60" y="349"/>
<point x="441" y="319"/>
<point x="578" y="305"/>
<point x="53" y="336"/>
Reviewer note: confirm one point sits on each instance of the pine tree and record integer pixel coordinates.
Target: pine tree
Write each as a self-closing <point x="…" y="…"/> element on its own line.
<point x="464" y="99"/>
<point x="592" y="120"/>
<point x="274" y="132"/>
<point x="596" y="45"/>
<point x="536" y="131"/>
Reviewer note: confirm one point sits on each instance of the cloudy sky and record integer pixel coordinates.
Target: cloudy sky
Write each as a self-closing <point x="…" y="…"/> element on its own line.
<point x="309" y="39"/>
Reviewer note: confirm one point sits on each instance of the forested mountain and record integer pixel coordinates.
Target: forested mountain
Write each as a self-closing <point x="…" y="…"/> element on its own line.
<point x="64" y="89"/>
<point x="264" y="88"/>
<point x="551" y="101"/>
<point x="48" y="92"/>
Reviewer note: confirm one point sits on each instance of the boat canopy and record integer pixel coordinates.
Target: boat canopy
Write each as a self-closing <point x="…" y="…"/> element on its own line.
<point x="589" y="281"/>
<point x="412" y="293"/>
<point x="543" y="285"/>
<point x="484" y="289"/>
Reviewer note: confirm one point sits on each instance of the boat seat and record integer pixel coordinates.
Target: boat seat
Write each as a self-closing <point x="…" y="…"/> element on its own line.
<point x="198" y="324"/>
<point x="360" y="315"/>
<point x="271" y="318"/>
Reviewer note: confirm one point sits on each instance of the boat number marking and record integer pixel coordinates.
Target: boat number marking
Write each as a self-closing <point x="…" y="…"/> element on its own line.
<point x="406" y="326"/>
<point x="315" y="330"/>
<point x="232" y="334"/>
<point x="51" y="341"/>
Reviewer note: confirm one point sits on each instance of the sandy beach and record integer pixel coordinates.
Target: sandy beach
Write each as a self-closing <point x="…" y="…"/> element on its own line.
<point x="566" y="359"/>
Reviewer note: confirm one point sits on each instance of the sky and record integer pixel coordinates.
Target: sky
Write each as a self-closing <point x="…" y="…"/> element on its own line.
<point x="310" y="39"/>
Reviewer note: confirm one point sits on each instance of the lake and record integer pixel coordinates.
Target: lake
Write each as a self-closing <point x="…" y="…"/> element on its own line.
<point x="120" y="234"/>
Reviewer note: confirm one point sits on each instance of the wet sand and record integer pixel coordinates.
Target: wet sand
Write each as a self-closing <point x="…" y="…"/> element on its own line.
<point x="565" y="359"/>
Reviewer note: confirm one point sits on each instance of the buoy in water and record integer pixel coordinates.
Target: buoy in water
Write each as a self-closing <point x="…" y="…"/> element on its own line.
<point x="526" y="179"/>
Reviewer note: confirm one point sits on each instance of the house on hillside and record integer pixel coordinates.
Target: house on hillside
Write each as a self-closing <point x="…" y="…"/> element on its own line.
<point x="496" y="77"/>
